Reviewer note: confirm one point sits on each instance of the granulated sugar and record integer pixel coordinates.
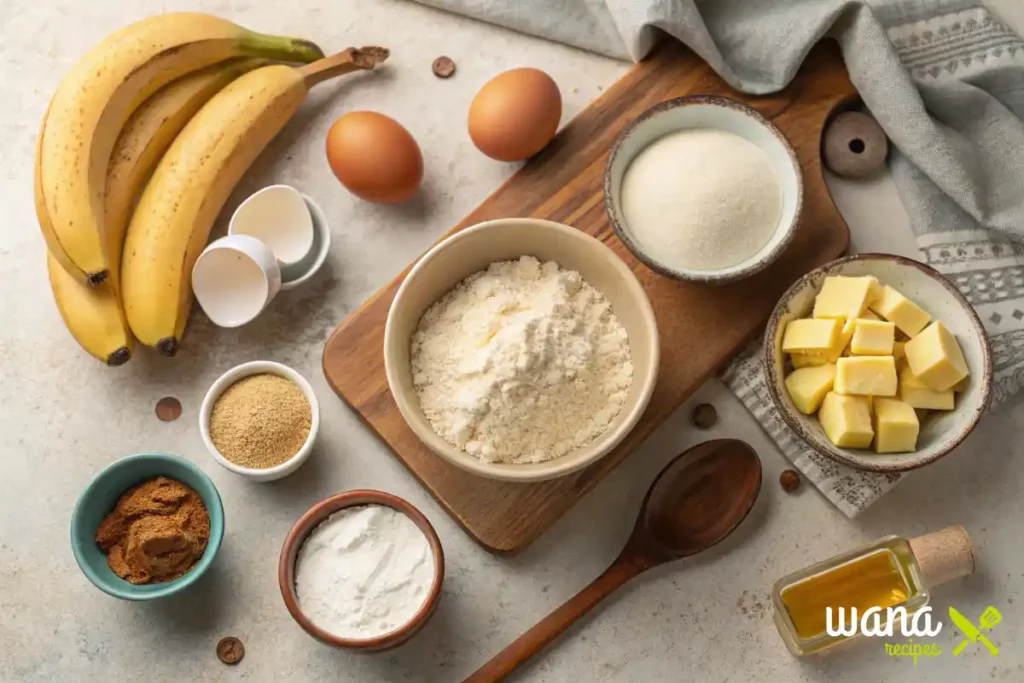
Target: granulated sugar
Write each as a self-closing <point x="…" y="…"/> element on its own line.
<point x="701" y="199"/>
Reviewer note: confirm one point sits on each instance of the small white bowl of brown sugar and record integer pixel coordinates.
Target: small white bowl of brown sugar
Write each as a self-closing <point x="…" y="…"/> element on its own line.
<point x="260" y="420"/>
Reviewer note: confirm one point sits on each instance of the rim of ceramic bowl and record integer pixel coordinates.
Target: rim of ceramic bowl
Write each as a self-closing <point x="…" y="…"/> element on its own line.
<point x="239" y="372"/>
<point x="214" y="506"/>
<point x="836" y="454"/>
<point x="319" y="219"/>
<point x="716" y="277"/>
<point x="314" y="517"/>
<point x="608" y="439"/>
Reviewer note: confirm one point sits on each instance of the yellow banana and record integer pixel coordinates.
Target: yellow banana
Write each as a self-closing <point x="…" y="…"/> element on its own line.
<point x="93" y="313"/>
<point x="93" y="102"/>
<point x="173" y="218"/>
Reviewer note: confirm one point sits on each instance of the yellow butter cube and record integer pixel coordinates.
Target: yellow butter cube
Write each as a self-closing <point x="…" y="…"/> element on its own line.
<point x="897" y="350"/>
<point x="896" y="426"/>
<point x="901" y="311"/>
<point x="936" y="358"/>
<point x="808" y="386"/>
<point x="811" y="336"/>
<point x="914" y="393"/>
<point x="846" y="420"/>
<point x="873" y="338"/>
<point x="843" y="342"/>
<point x="866" y="375"/>
<point x="807" y="360"/>
<point x="845" y="297"/>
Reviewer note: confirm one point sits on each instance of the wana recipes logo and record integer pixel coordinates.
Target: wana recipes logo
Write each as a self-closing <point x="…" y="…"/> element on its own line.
<point x="919" y="625"/>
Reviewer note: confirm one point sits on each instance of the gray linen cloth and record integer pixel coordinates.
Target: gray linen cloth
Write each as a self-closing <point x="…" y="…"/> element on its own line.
<point x="944" y="78"/>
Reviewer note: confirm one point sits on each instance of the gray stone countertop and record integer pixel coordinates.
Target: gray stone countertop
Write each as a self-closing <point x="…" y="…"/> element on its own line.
<point x="63" y="416"/>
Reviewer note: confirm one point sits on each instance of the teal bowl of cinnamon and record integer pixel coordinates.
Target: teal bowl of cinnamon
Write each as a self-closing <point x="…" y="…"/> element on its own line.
<point x="99" y="499"/>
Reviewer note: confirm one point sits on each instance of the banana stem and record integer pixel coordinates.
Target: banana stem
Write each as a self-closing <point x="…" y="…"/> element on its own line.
<point x="347" y="61"/>
<point x="281" y="48"/>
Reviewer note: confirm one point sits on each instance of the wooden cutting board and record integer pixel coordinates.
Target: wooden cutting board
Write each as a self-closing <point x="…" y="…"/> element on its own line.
<point x="701" y="327"/>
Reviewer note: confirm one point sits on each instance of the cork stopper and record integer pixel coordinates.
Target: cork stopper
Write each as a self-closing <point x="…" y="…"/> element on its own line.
<point x="945" y="554"/>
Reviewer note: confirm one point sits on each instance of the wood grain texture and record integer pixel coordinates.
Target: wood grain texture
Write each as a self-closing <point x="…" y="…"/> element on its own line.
<point x="701" y="327"/>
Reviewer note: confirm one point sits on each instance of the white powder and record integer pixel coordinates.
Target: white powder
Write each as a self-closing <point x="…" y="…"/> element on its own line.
<point x="701" y="199"/>
<point x="521" y="362"/>
<point x="364" y="572"/>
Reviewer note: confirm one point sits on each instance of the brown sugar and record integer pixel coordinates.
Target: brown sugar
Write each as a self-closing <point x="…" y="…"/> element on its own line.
<point x="260" y="421"/>
<point x="157" y="532"/>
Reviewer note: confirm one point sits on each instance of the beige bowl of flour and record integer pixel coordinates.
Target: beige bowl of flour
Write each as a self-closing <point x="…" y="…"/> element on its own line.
<point x="473" y="249"/>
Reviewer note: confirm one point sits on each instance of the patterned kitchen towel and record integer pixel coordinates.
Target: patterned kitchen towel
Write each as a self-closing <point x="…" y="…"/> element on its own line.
<point x="987" y="266"/>
<point x="944" y="78"/>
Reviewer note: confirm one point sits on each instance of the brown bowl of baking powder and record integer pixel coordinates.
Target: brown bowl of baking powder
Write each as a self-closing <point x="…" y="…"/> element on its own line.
<point x="370" y="596"/>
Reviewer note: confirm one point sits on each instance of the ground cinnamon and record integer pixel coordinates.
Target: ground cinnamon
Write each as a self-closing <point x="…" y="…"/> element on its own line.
<point x="157" y="531"/>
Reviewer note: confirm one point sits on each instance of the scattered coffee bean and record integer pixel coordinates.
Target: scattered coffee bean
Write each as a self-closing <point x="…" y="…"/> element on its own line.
<point x="704" y="416"/>
<point x="168" y="409"/>
<point x="443" y="67"/>
<point x="230" y="650"/>
<point x="790" y="480"/>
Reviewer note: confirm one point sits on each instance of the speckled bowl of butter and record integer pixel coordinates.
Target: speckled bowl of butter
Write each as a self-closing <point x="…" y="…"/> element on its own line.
<point x="940" y="431"/>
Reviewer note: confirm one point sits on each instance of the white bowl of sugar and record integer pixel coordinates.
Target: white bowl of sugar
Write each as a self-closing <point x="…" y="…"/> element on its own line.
<point x="260" y="419"/>
<point x="703" y="188"/>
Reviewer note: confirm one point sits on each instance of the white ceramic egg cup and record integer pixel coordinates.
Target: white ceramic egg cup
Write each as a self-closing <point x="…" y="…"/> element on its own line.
<point x="297" y="271"/>
<point x="234" y="301"/>
<point x="294" y="275"/>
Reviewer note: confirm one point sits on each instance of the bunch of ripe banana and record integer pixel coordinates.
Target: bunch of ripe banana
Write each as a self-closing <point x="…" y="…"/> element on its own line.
<point x="140" y="148"/>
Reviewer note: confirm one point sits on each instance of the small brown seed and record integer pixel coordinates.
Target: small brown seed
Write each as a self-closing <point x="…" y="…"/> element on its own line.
<point x="443" y="67"/>
<point x="790" y="480"/>
<point x="168" y="409"/>
<point x="230" y="650"/>
<point x="704" y="416"/>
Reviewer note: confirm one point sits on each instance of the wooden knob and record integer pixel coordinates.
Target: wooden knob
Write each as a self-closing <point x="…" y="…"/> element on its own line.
<point x="854" y="145"/>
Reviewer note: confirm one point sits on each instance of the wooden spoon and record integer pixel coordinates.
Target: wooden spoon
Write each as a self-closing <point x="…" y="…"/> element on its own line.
<point x="696" y="501"/>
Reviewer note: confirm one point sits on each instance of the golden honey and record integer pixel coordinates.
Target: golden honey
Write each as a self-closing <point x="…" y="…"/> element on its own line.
<point x="883" y="574"/>
<point x="874" y="580"/>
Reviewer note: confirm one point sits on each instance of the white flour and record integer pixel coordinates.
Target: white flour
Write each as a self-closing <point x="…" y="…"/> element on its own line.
<point x="701" y="199"/>
<point x="363" y="572"/>
<point x="521" y="362"/>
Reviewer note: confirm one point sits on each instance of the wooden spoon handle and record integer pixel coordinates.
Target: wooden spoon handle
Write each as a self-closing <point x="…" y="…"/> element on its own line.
<point x="531" y="642"/>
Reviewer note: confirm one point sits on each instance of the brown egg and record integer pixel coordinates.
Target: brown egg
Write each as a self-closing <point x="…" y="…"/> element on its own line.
<point x="515" y="114"/>
<point x="374" y="157"/>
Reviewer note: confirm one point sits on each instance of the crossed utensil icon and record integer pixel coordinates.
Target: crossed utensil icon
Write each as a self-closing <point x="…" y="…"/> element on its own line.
<point x="989" y="618"/>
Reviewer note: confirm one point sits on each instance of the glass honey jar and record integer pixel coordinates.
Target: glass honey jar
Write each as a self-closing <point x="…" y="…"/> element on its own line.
<point x="892" y="572"/>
